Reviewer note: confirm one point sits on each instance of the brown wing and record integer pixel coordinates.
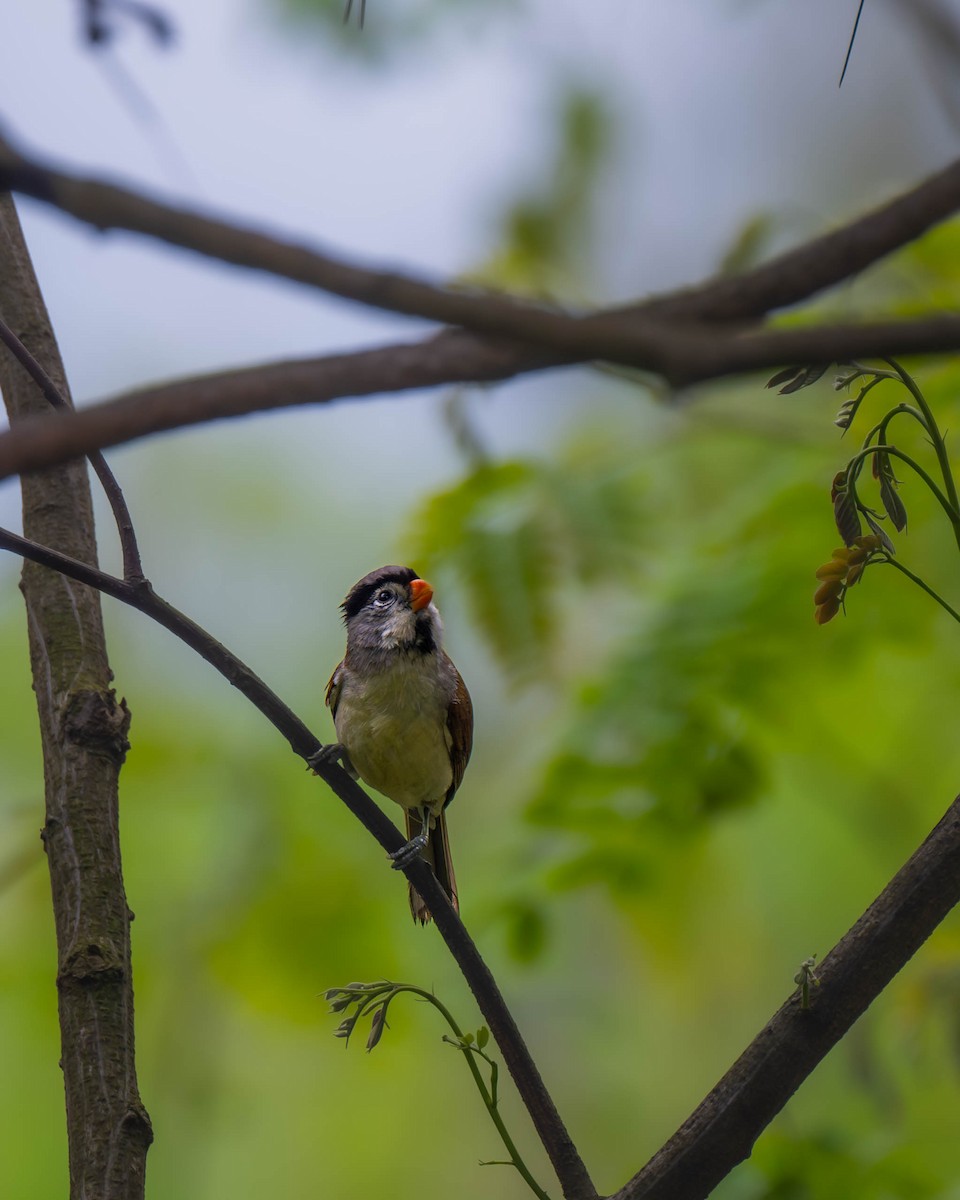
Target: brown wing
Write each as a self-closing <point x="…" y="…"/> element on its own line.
<point x="334" y="688"/>
<point x="460" y="725"/>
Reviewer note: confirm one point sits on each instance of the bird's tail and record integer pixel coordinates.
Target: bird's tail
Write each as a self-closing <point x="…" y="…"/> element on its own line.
<point x="437" y="854"/>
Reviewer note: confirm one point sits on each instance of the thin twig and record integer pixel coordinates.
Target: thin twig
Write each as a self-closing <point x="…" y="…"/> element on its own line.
<point x="895" y="562"/>
<point x="132" y="566"/>
<point x="936" y="437"/>
<point x="853" y="38"/>
<point x="870" y="451"/>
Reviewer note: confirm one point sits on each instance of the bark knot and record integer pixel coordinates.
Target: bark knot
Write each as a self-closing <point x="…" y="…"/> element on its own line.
<point x="98" y="722"/>
<point x="93" y="962"/>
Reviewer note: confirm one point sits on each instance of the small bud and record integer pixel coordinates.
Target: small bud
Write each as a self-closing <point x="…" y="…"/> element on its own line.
<point x="377" y="1026"/>
<point x="832" y="570"/>
<point x="853" y="575"/>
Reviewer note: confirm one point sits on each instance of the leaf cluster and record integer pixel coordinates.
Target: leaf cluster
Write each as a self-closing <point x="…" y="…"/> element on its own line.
<point x="518" y="534"/>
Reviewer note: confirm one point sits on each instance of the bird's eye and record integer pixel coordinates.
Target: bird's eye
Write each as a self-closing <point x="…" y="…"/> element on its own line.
<point x="383" y="598"/>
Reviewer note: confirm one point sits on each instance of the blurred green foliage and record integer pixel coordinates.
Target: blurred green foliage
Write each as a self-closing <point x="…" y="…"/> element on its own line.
<point x="547" y="233"/>
<point x="519" y="533"/>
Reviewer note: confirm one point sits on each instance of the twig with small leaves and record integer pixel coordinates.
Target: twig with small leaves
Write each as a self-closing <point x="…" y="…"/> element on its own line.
<point x="376" y="998"/>
<point x="848" y="563"/>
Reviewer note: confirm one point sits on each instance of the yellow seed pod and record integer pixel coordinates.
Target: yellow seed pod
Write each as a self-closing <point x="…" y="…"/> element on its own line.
<point x="854" y="573"/>
<point x="834" y="569"/>
<point x="841" y="552"/>
<point x="827" y="611"/>
<point x="828" y="590"/>
<point x="858" y="554"/>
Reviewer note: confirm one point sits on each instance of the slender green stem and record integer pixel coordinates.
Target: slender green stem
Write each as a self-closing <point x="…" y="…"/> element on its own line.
<point x="881" y="429"/>
<point x="952" y="513"/>
<point x="936" y="437"/>
<point x="489" y="1099"/>
<point x="919" y="582"/>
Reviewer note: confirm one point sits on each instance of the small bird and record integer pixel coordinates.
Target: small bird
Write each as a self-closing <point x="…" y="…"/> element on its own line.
<point x="403" y="715"/>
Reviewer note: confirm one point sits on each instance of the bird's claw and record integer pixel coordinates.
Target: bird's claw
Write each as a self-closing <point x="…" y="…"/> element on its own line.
<point x="332" y="753"/>
<point x="408" y="852"/>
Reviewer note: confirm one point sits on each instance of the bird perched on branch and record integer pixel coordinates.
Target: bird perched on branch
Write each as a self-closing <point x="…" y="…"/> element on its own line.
<point x="403" y="715"/>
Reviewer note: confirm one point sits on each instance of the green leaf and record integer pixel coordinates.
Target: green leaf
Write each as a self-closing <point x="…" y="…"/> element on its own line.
<point x="526" y="930"/>
<point x="516" y="532"/>
<point x="794" y="379"/>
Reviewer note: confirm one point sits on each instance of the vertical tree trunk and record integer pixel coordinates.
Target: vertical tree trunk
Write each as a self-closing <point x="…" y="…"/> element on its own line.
<point x="83" y="730"/>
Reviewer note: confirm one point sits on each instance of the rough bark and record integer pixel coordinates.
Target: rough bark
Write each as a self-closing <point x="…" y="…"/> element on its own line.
<point x="84" y="740"/>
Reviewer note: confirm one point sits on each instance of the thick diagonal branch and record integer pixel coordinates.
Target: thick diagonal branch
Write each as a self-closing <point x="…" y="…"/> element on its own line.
<point x="83" y="733"/>
<point x="722" y="1130"/>
<point x="557" y="1142"/>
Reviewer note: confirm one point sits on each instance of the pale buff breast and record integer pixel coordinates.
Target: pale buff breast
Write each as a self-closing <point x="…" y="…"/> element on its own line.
<point x="395" y="731"/>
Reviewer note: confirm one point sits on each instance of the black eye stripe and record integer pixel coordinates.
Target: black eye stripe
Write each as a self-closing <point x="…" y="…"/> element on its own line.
<point x="363" y="592"/>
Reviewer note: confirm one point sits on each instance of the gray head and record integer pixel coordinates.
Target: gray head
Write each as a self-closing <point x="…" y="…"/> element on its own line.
<point x="392" y="609"/>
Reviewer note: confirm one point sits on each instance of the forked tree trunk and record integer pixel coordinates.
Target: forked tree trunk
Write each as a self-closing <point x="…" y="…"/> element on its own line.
<point x="83" y="731"/>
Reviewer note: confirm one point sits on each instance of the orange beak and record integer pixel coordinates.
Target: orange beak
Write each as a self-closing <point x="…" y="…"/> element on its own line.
<point x="422" y="594"/>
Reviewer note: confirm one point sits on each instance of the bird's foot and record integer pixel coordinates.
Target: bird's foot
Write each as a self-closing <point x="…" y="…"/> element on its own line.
<point x="335" y="752"/>
<point x="410" y="850"/>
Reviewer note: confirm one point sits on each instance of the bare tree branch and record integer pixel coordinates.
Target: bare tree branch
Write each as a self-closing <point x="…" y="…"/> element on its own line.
<point x="453" y="356"/>
<point x="674" y="335"/>
<point x="619" y="334"/>
<point x="567" y="1163"/>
